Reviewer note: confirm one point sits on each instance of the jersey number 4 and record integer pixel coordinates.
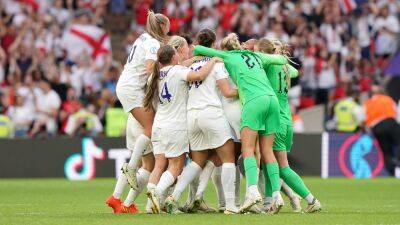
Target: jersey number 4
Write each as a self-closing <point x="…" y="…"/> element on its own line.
<point x="165" y="93"/>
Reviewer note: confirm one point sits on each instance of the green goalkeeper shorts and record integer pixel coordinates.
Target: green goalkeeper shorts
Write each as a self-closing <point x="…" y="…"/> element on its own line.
<point x="261" y="114"/>
<point x="283" y="138"/>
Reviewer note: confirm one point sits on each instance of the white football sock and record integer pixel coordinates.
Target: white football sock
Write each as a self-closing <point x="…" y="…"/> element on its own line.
<point x="192" y="190"/>
<point x="120" y="186"/>
<point x="166" y="180"/>
<point x="309" y="198"/>
<point x="141" y="144"/>
<point x="190" y="172"/>
<point x="151" y="186"/>
<point x="228" y="178"/>
<point x="216" y="178"/>
<point x="237" y="187"/>
<point x="287" y="190"/>
<point x="204" y="178"/>
<point x="142" y="179"/>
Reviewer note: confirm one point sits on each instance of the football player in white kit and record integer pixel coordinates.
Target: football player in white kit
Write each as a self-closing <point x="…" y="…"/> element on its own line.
<point x="169" y="135"/>
<point x="208" y="129"/>
<point x="161" y="162"/>
<point x="131" y="91"/>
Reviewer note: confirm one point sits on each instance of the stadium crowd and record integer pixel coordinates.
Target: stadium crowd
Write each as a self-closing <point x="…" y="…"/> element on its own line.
<point x="57" y="74"/>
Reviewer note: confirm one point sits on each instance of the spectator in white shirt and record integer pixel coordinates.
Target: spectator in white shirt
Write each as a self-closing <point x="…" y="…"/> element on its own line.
<point x="47" y="107"/>
<point x="61" y="14"/>
<point x="331" y="31"/>
<point x="364" y="19"/>
<point x="386" y="27"/>
<point x="278" y="32"/>
<point x="206" y="19"/>
<point x="21" y="116"/>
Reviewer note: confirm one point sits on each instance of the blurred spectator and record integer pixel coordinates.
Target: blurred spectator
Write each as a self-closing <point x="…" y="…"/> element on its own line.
<point x="325" y="72"/>
<point x="298" y="124"/>
<point x="386" y="27"/>
<point x="380" y="117"/>
<point x="348" y="113"/>
<point x="6" y="126"/>
<point x="205" y="19"/>
<point x="47" y="108"/>
<point x="70" y="106"/>
<point x="21" y="116"/>
<point x="111" y="78"/>
<point x="84" y="123"/>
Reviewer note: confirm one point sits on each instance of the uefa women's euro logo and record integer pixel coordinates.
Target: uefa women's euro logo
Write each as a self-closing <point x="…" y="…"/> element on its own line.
<point x="360" y="157"/>
<point x="83" y="166"/>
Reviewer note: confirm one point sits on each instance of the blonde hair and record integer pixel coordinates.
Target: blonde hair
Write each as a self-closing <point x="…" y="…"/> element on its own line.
<point x="164" y="56"/>
<point x="176" y="41"/>
<point x="284" y="48"/>
<point x="231" y="42"/>
<point x="269" y="46"/>
<point x="266" y="46"/>
<point x="154" y="25"/>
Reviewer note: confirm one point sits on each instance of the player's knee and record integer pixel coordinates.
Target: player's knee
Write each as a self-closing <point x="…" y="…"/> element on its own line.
<point x="281" y="158"/>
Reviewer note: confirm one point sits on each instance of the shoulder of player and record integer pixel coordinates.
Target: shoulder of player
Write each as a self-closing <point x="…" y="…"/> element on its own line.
<point x="218" y="68"/>
<point x="179" y="69"/>
<point x="202" y="60"/>
<point x="145" y="37"/>
<point x="148" y="41"/>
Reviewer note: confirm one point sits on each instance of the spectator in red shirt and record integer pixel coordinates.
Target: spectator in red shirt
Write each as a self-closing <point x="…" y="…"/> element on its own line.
<point x="227" y="8"/>
<point x="69" y="107"/>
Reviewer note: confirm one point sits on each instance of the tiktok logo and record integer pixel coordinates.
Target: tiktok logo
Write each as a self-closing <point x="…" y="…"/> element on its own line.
<point x="359" y="164"/>
<point x="82" y="166"/>
<point x="360" y="157"/>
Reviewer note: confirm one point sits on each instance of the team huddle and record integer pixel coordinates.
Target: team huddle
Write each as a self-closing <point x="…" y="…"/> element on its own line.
<point x="201" y="117"/>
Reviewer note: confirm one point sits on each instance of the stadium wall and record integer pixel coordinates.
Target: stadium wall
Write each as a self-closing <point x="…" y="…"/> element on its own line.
<point x="326" y="155"/>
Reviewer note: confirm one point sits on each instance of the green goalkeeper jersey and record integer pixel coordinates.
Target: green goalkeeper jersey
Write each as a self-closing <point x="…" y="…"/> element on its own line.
<point x="246" y="69"/>
<point x="278" y="76"/>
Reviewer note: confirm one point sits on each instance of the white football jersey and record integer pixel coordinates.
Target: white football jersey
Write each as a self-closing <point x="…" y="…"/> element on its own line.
<point x="173" y="94"/>
<point x="229" y="100"/>
<point x="203" y="94"/>
<point x="233" y="112"/>
<point x="134" y="73"/>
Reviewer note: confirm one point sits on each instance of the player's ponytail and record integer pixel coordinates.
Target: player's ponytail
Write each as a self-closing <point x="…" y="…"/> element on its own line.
<point x="154" y="26"/>
<point x="274" y="46"/>
<point x="164" y="57"/>
<point x="284" y="50"/>
<point x="231" y="42"/>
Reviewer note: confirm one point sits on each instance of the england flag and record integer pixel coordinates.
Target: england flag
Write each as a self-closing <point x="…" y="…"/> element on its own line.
<point x="347" y="6"/>
<point x="81" y="39"/>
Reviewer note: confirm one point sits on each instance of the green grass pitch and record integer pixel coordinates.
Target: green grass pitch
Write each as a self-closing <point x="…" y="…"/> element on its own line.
<point x="58" y="201"/>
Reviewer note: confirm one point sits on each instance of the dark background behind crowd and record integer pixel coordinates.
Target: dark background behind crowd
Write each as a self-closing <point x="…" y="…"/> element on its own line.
<point x="60" y="60"/>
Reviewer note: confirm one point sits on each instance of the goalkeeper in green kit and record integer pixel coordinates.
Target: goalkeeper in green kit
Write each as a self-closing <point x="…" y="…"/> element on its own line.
<point x="279" y="77"/>
<point x="260" y="112"/>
